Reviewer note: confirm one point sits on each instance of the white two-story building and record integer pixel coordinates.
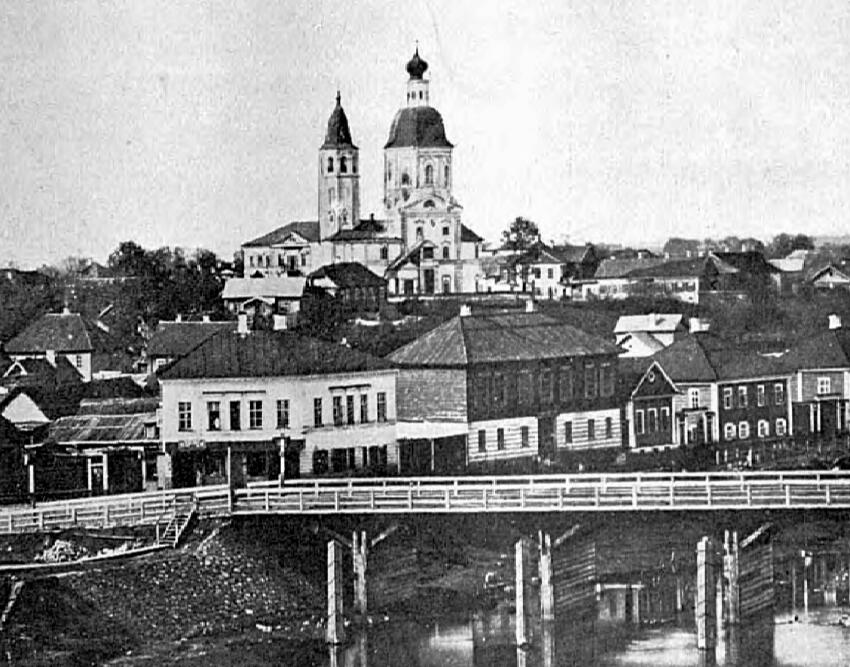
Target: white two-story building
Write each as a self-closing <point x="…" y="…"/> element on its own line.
<point x="250" y="405"/>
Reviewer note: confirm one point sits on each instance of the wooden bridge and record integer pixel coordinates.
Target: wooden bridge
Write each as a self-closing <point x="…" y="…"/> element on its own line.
<point x="794" y="490"/>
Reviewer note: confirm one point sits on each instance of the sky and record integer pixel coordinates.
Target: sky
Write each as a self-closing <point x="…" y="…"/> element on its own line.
<point x="197" y="124"/>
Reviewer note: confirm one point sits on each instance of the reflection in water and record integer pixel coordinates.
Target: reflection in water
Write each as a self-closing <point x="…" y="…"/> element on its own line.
<point x="487" y="640"/>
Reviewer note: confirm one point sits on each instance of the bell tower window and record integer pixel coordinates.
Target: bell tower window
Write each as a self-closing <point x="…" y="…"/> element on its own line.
<point x="405" y="178"/>
<point x="446" y="175"/>
<point x="343" y="166"/>
<point x="330" y="165"/>
<point x="429" y="175"/>
<point x="384" y="252"/>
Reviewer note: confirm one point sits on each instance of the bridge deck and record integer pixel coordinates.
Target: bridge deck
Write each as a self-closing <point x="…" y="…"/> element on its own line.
<point x="434" y="495"/>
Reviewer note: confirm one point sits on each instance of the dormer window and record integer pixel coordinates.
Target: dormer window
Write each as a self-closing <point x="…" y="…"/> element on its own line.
<point x="343" y="166"/>
<point x="330" y="165"/>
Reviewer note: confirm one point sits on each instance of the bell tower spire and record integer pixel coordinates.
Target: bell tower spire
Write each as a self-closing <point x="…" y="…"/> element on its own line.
<point x="339" y="180"/>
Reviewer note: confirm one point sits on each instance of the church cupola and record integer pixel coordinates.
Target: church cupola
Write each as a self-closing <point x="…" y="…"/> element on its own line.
<point x="339" y="180"/>
<point x="417" y="87"/>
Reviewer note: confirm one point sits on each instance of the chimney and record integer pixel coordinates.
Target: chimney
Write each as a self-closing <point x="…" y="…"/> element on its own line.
<point x="465" y="310"/>
<point x="178" y="318"/>
<point x="529" y="306"/>
<point x="834" y="321"/>
<point x="51" y="357"/>
<point x="697" y="324"/>
<point x="66" y="310"/>
<point x="205" y="319"/>
<point x="242" y="324"/>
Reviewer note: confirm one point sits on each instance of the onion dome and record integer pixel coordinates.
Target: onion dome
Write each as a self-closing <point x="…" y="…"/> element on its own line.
<point x="416" y="67"/>
<point x="338" y="134"/>
<point x="421" y="127"/>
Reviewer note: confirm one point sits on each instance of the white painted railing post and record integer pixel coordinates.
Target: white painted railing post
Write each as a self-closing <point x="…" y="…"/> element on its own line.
<point x="788" y="494"/>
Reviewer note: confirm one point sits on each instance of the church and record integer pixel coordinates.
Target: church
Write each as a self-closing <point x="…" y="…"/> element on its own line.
<point x="421" y="246"/>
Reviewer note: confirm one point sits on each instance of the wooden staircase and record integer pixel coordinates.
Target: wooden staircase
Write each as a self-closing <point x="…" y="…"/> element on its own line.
<point x="172" y="528"/>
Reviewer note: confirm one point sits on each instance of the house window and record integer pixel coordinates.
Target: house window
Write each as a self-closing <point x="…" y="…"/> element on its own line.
<point x="213" y="416"/>
<point x="447" y="252"/>
<point x="385" y="253"/>
<point x="565" y="384"/>
<point x="568" y="433"/>
<point x="482" y="440"/>
<point x="546" y="386"/>
<point x="255" y="414"/>
<point x="824" y="385"/>
<point x="235" y="416"/>
<point x="382" y="406"/>
<point x="781" y="427"/>
<point x="591" y="429"/>
<point x="693" y="397"/>
<point x="349" y="410"/>
<point x="607" y="380"/>
<point x="609" y="427"/>
<point x="550" y="273"/>
<point x="760" y="395"/>
<point x="337" y="410"/>
<point x="446" y="230"/>
<point x="665" y="419"/>
<point x="330" y="165"/>
<point x="184" y="416"/>
<point x="763" y="428"/>
<point x="500" y="438"/>
<point x="320" y="462"/>
<point x="652" y="420"/>
<point x="523" y="433"/>
<point x="364" y="409"/>
<point x="317" y="412"/>
<point x="640" y="427"/>
<point x="779" y="393"/>
<point x="590" y="381"/>
<point x="283" y="413"/>
<point x="727" y="398"/>
<point x="743" y="430"/>
<point x="498" y="389"/>
<point x="429" y="175"/>
<point x="78" y="360"/>
<point x="524" y="388"/>
<point x="729" y="432"/>
<point x="742" y="397"/>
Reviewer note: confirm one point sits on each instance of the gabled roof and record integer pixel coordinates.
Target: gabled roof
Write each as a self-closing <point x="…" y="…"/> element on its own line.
<point x="274" y="287"/>
<point x="174" y="339"/>
<point x="654" y="382"/>
<point x="468" y="236"/>
<point x="703" y="357"/>
<point x="472" y="339"/>
<point x="651" y="322"/>
<point x="539" y="253"/>
<point x="307" y="229"/>
<point x="61" y="332"/>
<point x="649" y="341"/>
<point x="829" y="349"/>
<point x="680" y="268"/>
<point x="349" y="274"/>
<point x="113" y="422"/>
<point x="58" y="402"/>
<point x="832" y="269"/>
<point x="574" y="254"/>
<point x="39" y="371"/>
<point x="268" y="354"/>
<point x="751" y="261"/>
<point x="368" y="229"/>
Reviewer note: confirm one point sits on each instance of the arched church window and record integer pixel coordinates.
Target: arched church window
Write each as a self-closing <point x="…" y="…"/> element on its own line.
<point x="343" y="165"/>
<point x="331" y="216"/>
<point x="420" y="234"/>
<point x="343" y="216"/>
<point x="405" y="178"/>
<point x="446" y="175"/>
<point x="385" y="253"/>
<point x="354" y="165"/>
<point x="331" y="194"/>
<point x="330" y="165"/>
<point x="446" y="252"/>
<point x="429" y="175"/>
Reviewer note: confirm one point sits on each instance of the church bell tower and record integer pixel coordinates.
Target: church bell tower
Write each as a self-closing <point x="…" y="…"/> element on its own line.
<point x="339" y="180"/>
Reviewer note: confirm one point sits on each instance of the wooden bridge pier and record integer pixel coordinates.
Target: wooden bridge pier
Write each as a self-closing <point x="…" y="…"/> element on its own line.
<point x="335" y="629"/>
<point x="705" y="612"/>
<point x="731" y="579"/>
<point x="522" y="553"/>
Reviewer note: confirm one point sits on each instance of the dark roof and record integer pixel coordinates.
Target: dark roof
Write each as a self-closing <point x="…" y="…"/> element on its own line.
<point x="58" y="402"/>
<point x="418" y="126"/>
<point x="675" y="269"/>
<point x="471" y="339"/>
<point x="829" y="349"/>
<point x="338" y="134"/>
<point x="309" y="229"/>
<point x="349" y="274"/>
<point x="751" y="261"/>
<point x="8" y="433"/>
<point x="115" y="421"/>
<point x="574" y="253"/>
<point x="269" y="353"/>
<point x="174" y="339"/>
<point x="367" y="229"/>
<point x="630" y="370"/>
<point x="619" y="268"/>
<point x="468" y="236"/>
<point x="41" y="372"/>
<point x="703" y="357"/>
<point x="540" y="253"/>
<point x="61" y="332"/>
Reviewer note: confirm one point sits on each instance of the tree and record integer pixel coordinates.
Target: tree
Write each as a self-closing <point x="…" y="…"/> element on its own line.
<point x="783" y="244"/>
<point x="521" y="235"/>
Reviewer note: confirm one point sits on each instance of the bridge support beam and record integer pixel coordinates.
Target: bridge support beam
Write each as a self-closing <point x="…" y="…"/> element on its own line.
<point x="359" y="553"/>
<point x="547" y="588"/>
<point x="706" y="613"/>
<point x="731" y="579"/>
<point x="793" y="583"/>
<point x="521" y="569"/>
<point x="335" y="631"/>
